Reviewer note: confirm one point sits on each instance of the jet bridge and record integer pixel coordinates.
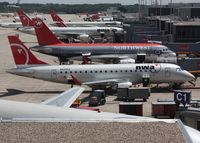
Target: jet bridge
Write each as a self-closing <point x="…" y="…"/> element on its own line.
<point x="190" y="64"/>
<point x="184" y="48"/>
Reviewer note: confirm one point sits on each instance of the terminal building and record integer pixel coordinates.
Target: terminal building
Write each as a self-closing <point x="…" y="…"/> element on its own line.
<point x="186" y="32"/>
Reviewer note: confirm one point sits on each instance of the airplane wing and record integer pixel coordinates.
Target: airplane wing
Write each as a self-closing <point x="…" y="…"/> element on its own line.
<point x="69" y="34"/>
<point x="103" y="82"/>
<point x="66" y="98"/>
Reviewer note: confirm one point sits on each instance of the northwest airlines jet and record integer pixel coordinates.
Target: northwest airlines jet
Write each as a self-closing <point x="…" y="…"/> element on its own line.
<point x="82" y="33"/>
<point x="60" y="23"/>
<point x="106" y="53"/>
<point x="123" y="75"/>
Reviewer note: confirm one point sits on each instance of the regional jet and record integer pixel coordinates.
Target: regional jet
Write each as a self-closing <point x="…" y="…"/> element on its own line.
<point x="106" y="53"/>
<point x="123" y="75"/>
<point x="82" y="33"/>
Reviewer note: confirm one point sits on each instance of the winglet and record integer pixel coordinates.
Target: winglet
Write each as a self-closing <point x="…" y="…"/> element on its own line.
<point x="75" y="80"/>
<point x="44" y="35"/>
<point x="85" y="59"/>
<point x="22" y="55"/>
<point x="26" y="21"/>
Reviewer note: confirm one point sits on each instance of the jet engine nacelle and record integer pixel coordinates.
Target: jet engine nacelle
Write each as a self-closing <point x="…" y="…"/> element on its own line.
<point x="127" y="61"/>
<point x="124" y="85"/>
<point x="167" y="59"/>
<point x="84" y="38"/>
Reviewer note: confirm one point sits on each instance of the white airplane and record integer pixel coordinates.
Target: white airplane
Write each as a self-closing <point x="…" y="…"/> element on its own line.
<point x="82" y="33"/>
<point x="58" y="109"/>
<point x="11" y="25"/>
<point x="123" y="75"/>
<point x="60" y="23"/>
<point x="7" y="14"/>
<point x="14" y="24"/>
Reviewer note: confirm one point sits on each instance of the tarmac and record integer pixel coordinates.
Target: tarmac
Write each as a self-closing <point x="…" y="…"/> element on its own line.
<point x="24" y="89"/>
<point x="20" y="88"/>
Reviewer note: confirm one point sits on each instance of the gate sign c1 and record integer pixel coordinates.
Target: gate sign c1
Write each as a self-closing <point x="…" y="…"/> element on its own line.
<point x="182" y="96"/>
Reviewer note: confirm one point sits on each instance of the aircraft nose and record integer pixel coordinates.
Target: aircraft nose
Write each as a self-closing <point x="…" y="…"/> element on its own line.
<point x="189" y="76"/>
<point x="173" y="54"/>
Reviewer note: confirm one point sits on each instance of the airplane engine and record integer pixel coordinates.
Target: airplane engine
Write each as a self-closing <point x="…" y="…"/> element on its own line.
<point x="124" y="84"/>
<point x="127" y="61"/>
<point x="167" y="59"/>
<point x="84" y="38"/>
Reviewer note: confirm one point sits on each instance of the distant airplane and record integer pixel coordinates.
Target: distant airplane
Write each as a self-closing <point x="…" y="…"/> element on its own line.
<point x="14" y="24"/>
<point x="11" y="24"/>
<point x="57" y="109"/>
<point x="82" y="33"/>
<point x="98" y="17"/>
<point x="60" y="23"/>
<point x="122" y="75"/>
<point x="106" y="53"/>
<point x="7" y="14"/>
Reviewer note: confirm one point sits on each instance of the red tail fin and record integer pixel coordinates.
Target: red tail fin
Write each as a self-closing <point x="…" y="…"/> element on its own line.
<point x="26" y="21"/>
<point x="44" y="35"/>
<point x="57" y="19"/>
<point x="21" y="53"/>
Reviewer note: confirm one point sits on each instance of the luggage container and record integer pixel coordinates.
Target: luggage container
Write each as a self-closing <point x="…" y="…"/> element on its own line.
<point x="131" y="108"/>
<point x="122" y="94"/>
<point x="138" y="93"/>
<point x="163" y="109"/>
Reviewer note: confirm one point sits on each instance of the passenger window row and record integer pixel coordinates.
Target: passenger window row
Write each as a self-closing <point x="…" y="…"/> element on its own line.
<point x="101" y="71"/>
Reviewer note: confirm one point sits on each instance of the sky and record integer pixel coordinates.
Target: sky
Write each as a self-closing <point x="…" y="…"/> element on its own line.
<point x="94" y="1"/>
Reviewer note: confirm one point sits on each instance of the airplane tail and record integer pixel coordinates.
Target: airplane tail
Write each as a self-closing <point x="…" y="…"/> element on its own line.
<point x="44" y="35"/>
<point x="22" y="55"/>
<point x="57" y="19"/>
<point x="26" y="21"/>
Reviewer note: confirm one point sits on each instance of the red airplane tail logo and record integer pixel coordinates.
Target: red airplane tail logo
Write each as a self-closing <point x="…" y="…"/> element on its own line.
<point x="37" y="23"/>
<point x="57" y="19"/>
<point x="44" y="35"/>
<point x="26" y="21"/>
<point x="21" y="53"/>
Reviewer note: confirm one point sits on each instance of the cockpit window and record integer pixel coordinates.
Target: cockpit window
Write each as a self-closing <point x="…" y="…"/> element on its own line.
<point x="178" y="69"/>
<point x="165" y="49"/>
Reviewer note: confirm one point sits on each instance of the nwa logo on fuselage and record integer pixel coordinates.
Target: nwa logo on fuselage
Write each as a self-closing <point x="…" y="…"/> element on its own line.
<point x="148" y="68"/>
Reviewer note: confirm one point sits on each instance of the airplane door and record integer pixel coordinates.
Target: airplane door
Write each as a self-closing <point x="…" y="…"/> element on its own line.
<point x="167" y="72"/>
<point x="54" y="74"/>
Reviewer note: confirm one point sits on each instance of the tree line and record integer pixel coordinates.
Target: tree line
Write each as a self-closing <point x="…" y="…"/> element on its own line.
<point x="67" y="8"/>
